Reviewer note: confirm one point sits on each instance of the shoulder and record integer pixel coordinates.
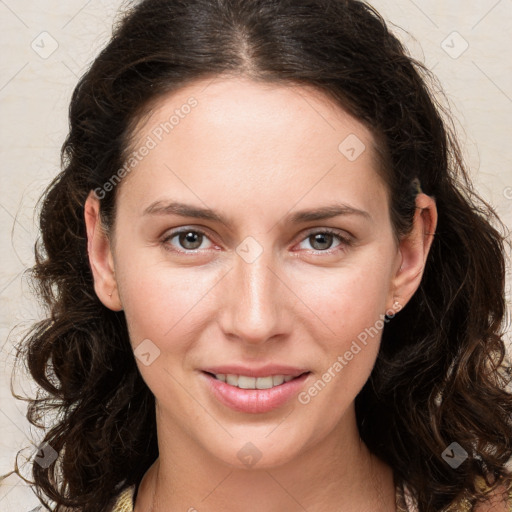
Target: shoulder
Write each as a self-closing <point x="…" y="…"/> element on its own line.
<point x="499" y="500"/>
<point x="124" y="500"/>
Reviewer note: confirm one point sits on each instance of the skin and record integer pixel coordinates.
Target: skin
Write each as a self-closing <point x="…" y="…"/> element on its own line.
<point x="257" y="153"/>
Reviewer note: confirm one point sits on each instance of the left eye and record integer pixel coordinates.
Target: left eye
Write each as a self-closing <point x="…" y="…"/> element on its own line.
<point x="324" y="239"/>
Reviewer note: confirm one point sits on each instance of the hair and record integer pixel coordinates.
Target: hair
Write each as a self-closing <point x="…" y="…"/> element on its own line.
<point x="442" y="371"/>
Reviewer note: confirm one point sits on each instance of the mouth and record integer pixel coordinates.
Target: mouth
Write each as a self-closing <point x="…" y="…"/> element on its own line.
<point x="253" y="395"/>
<point x="248" y="382"/>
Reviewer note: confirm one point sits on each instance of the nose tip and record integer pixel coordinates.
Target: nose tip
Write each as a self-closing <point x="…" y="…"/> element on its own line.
<point x="254" y="311"/>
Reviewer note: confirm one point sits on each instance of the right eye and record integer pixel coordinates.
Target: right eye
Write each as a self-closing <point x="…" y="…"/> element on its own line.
<point x="188" y="239"/>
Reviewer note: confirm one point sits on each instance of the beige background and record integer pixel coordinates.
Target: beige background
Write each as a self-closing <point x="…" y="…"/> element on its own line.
<point x="46" y="46"/>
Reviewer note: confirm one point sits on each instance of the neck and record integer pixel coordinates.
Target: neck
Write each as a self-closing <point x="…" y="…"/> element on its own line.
<point x="189" y="478"/>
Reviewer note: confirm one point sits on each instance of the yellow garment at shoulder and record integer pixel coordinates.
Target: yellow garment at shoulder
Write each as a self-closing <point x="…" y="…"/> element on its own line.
<point x="464" y="505"/>
<point x="124" y="502"/>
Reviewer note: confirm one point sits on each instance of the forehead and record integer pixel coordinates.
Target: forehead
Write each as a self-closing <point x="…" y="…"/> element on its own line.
<point x="259" y="108"/>
<point x="271" y="139"/>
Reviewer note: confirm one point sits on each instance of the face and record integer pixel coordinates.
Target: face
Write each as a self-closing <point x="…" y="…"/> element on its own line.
<point x="254" y="238"/>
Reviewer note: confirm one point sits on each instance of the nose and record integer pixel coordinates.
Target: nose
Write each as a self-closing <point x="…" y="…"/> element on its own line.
<point x="256" y="302"/>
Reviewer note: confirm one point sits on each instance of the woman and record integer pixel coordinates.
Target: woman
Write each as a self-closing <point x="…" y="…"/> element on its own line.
<point x="270" y="284"/>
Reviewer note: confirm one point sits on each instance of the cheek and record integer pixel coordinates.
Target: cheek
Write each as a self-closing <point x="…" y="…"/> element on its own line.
<point x="347" y="317"/>
<point x="167" y="307"/>
<point x="347" y="300"/>
<point x="160" y="301"/>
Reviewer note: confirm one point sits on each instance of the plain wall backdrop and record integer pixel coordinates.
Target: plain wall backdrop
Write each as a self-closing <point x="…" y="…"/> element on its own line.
<point x="47" y="45"/>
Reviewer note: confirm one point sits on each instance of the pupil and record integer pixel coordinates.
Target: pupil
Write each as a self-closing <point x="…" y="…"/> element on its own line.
<point x="321" y="237"/>
<point x="190" y="238"/>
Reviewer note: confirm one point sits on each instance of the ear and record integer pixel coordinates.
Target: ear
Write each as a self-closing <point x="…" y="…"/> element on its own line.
<point x="100" y="256"/>
<point x="413" y="251"/>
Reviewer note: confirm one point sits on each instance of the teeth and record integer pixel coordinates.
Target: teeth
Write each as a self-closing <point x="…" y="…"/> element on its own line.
<point x="277" y="379"/>
<point x="244" y="382"/>
<point x="232" y="379"/>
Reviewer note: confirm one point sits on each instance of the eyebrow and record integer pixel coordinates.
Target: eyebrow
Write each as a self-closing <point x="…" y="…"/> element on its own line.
<point x="315" y="214"/>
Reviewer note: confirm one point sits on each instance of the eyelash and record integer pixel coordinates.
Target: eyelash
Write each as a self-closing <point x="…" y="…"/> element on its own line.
<point x="344" y="241"/>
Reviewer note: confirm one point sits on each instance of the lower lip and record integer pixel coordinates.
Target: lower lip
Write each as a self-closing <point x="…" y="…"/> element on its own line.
<point x="255" y="400"/>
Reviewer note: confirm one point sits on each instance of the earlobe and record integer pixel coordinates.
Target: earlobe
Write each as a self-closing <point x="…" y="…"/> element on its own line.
<point x="414" y="249"/>
<point x="100" y="256"/>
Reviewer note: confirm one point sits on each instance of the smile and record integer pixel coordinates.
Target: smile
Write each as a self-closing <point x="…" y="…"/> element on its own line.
<point x="246" y="382"/>
<point x="254" y="395"/>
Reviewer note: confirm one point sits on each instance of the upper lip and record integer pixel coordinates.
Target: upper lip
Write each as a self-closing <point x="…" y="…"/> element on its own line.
<point x="262" y="371"/>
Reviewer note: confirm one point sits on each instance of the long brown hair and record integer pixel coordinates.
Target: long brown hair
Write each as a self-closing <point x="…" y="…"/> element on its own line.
<point x="441" y="371"/>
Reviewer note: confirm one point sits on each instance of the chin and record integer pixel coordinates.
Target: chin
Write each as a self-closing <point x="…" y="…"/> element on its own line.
<point x="263" y="449"/>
